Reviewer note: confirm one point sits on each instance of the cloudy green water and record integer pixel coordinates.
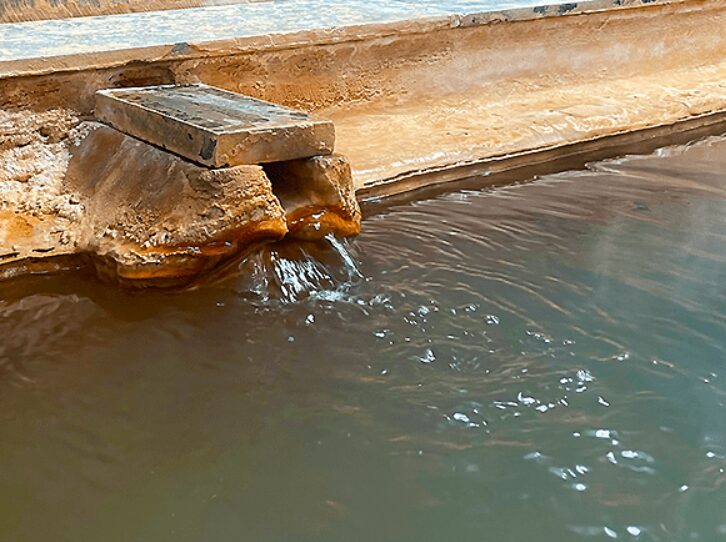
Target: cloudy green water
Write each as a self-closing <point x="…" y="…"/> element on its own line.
<point x="534" y="362"/>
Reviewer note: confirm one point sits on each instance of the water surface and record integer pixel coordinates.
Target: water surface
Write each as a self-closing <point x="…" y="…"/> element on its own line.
<point x="541" y="362"/>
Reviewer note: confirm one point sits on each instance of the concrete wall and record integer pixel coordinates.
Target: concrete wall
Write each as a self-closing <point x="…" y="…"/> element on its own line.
<point x="13" y="11"/>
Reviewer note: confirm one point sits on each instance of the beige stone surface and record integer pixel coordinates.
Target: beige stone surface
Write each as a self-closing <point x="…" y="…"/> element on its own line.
<point x="497" y="120"/>
<point x="112" y="41"/>
<point x="317" y="195"/>
<point x="37" y="212"/>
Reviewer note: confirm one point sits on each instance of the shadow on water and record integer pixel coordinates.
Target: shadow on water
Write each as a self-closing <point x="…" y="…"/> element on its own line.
<point x="536" y="361"/>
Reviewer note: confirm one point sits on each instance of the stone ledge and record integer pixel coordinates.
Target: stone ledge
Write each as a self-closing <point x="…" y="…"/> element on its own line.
<point x="46" y="47"/>
<point x="214" y="127"/>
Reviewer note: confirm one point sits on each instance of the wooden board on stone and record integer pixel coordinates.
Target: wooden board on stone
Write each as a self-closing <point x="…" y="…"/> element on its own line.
<point x="214" y="127"/>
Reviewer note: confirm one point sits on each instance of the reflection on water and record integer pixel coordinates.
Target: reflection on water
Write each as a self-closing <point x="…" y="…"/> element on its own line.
<point x="542" y="361"/>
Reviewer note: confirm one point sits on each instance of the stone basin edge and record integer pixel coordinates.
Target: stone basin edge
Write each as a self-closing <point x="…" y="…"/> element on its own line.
<point x="490" y="95"/>
<point x="191" y="50"/>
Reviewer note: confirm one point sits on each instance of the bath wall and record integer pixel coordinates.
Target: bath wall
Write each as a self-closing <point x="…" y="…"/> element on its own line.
<point x="14" y="11"/>
<point x="433" y="93"/>
<point x="414" y="102"/>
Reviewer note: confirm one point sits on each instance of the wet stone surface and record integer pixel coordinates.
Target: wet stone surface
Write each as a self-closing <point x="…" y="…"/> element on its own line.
<point x="214" y="127"/>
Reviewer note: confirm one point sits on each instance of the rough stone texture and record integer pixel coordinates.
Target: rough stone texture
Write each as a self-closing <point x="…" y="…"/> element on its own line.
<point x="23" y="128"/>
<point x="214" y="127"/>
<point x="317" y="195"/>
<point x="78" y="193"/>
<point x="152" y="218"/>
<point x="38" y="213"/>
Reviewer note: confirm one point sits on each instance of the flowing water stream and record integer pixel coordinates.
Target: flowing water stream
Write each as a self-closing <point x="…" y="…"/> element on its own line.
<point x="543" y="361"/>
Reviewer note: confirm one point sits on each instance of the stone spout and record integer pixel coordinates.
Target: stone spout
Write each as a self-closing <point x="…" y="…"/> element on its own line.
<point x="145" y="217"/>
<point x="317" y="196"/>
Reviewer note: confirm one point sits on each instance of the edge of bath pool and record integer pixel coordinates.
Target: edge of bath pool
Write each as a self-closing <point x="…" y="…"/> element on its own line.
<point x="48" y="59"/>
<point x="424" y="101"/>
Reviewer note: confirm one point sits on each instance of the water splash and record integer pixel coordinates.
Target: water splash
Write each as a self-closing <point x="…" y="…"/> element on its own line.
<point x="342" y="249"/>
<point x="288" y="272"/>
